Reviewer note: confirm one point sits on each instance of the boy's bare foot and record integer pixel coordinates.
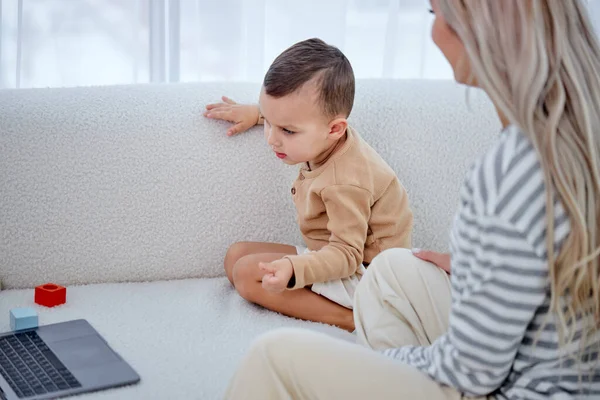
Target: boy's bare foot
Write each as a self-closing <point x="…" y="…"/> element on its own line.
<point x="349" y="325"/>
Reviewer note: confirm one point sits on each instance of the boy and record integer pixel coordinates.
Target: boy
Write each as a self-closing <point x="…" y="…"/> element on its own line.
<point x="349" y="202"/>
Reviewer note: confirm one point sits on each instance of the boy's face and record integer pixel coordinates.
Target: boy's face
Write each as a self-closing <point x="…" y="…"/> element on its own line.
<point x="295" y="126"/>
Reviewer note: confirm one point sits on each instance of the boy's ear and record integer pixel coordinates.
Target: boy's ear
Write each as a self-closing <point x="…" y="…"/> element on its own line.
<point x="337" y="128"/>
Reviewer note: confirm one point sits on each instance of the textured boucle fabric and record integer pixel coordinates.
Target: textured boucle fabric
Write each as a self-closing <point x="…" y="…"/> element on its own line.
<point x="184" y="338"/>
<point x="131" y="183"/>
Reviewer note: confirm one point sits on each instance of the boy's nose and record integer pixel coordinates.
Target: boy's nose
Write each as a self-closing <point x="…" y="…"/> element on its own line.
<point x="271" y="137"/>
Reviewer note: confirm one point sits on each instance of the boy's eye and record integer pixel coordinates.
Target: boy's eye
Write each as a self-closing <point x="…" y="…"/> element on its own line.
<point x="287" y="131"/>
<point x="431" y="11"/>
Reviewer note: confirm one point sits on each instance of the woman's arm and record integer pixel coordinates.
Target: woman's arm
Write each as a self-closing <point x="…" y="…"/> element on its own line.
<point x="441" y="260"/>
<point x="501" y="290"/>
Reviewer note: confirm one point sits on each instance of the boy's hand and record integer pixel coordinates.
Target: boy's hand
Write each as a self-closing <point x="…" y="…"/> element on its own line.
<point x="244" y="116"/>
<point x="277" y="274"/>
<point x="442" y="260"/>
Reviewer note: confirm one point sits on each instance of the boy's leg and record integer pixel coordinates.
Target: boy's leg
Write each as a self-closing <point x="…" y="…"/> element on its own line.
<point x="242" y="249"/>
<point x="300" y="303"/>
<point x="290" y="364"/>
<point x="340" y="291"/>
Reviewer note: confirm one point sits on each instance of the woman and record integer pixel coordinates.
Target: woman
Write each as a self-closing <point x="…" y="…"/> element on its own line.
<point x="519" y="317"/>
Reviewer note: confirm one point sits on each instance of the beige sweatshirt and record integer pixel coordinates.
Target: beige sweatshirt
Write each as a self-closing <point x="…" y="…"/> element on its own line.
<point x="349" y="210"/>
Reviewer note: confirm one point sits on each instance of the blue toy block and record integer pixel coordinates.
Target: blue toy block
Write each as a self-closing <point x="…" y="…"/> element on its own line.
<point x="23" y="318"/>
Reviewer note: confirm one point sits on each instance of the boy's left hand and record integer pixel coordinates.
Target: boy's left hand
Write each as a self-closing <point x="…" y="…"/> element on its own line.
<point x="277" y="274"/>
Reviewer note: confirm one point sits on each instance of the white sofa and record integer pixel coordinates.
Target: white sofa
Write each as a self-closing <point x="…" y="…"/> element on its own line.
<point x="129" y="197"/>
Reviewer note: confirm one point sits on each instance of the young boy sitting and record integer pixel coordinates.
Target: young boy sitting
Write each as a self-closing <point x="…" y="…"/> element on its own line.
<point x="349" y="202"/>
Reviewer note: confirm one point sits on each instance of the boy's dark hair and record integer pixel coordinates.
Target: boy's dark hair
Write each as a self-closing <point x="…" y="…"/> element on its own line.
<point x="309" y="59"/>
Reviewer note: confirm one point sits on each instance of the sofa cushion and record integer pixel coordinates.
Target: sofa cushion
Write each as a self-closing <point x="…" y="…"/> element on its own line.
<point x="131" y="183"/>
<point x="184" y="338"/>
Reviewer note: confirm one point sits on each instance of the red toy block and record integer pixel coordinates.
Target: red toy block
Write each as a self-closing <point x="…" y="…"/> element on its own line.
<point x="50" y="295"/>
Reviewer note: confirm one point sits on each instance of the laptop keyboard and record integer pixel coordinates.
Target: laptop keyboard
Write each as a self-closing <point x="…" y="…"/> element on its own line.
<point x="31" y="368"/>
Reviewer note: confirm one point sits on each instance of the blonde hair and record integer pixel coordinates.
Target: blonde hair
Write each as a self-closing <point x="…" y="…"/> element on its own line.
<point x="539" y="62"/>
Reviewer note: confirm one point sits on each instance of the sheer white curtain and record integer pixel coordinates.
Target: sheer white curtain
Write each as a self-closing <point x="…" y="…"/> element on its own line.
<point x="51" y="43"/>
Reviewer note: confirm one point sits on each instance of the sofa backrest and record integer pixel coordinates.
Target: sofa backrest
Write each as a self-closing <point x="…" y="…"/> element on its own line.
<point x="131" y="183"/>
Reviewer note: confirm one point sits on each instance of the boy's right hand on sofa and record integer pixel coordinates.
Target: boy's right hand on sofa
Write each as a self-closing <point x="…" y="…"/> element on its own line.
<point x="244" y="116"/>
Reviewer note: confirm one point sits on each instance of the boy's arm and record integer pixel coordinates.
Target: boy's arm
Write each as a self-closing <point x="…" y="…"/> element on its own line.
<point x="348" y="209"/>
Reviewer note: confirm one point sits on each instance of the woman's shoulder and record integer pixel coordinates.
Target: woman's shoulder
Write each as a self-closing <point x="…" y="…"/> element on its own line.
<point x="509" y="163"/>
<point x="508" y="183"/>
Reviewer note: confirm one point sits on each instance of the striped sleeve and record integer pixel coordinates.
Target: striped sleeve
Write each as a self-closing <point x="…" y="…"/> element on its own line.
<point x="488" y="321"/>
<point x="499" y="275"/>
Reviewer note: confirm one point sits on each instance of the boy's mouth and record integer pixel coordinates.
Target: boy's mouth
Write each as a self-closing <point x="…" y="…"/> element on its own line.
<point x="281" y="155"/>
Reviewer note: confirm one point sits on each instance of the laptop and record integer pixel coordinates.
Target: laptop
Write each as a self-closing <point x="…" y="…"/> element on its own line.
<point x="59" y="360"/>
